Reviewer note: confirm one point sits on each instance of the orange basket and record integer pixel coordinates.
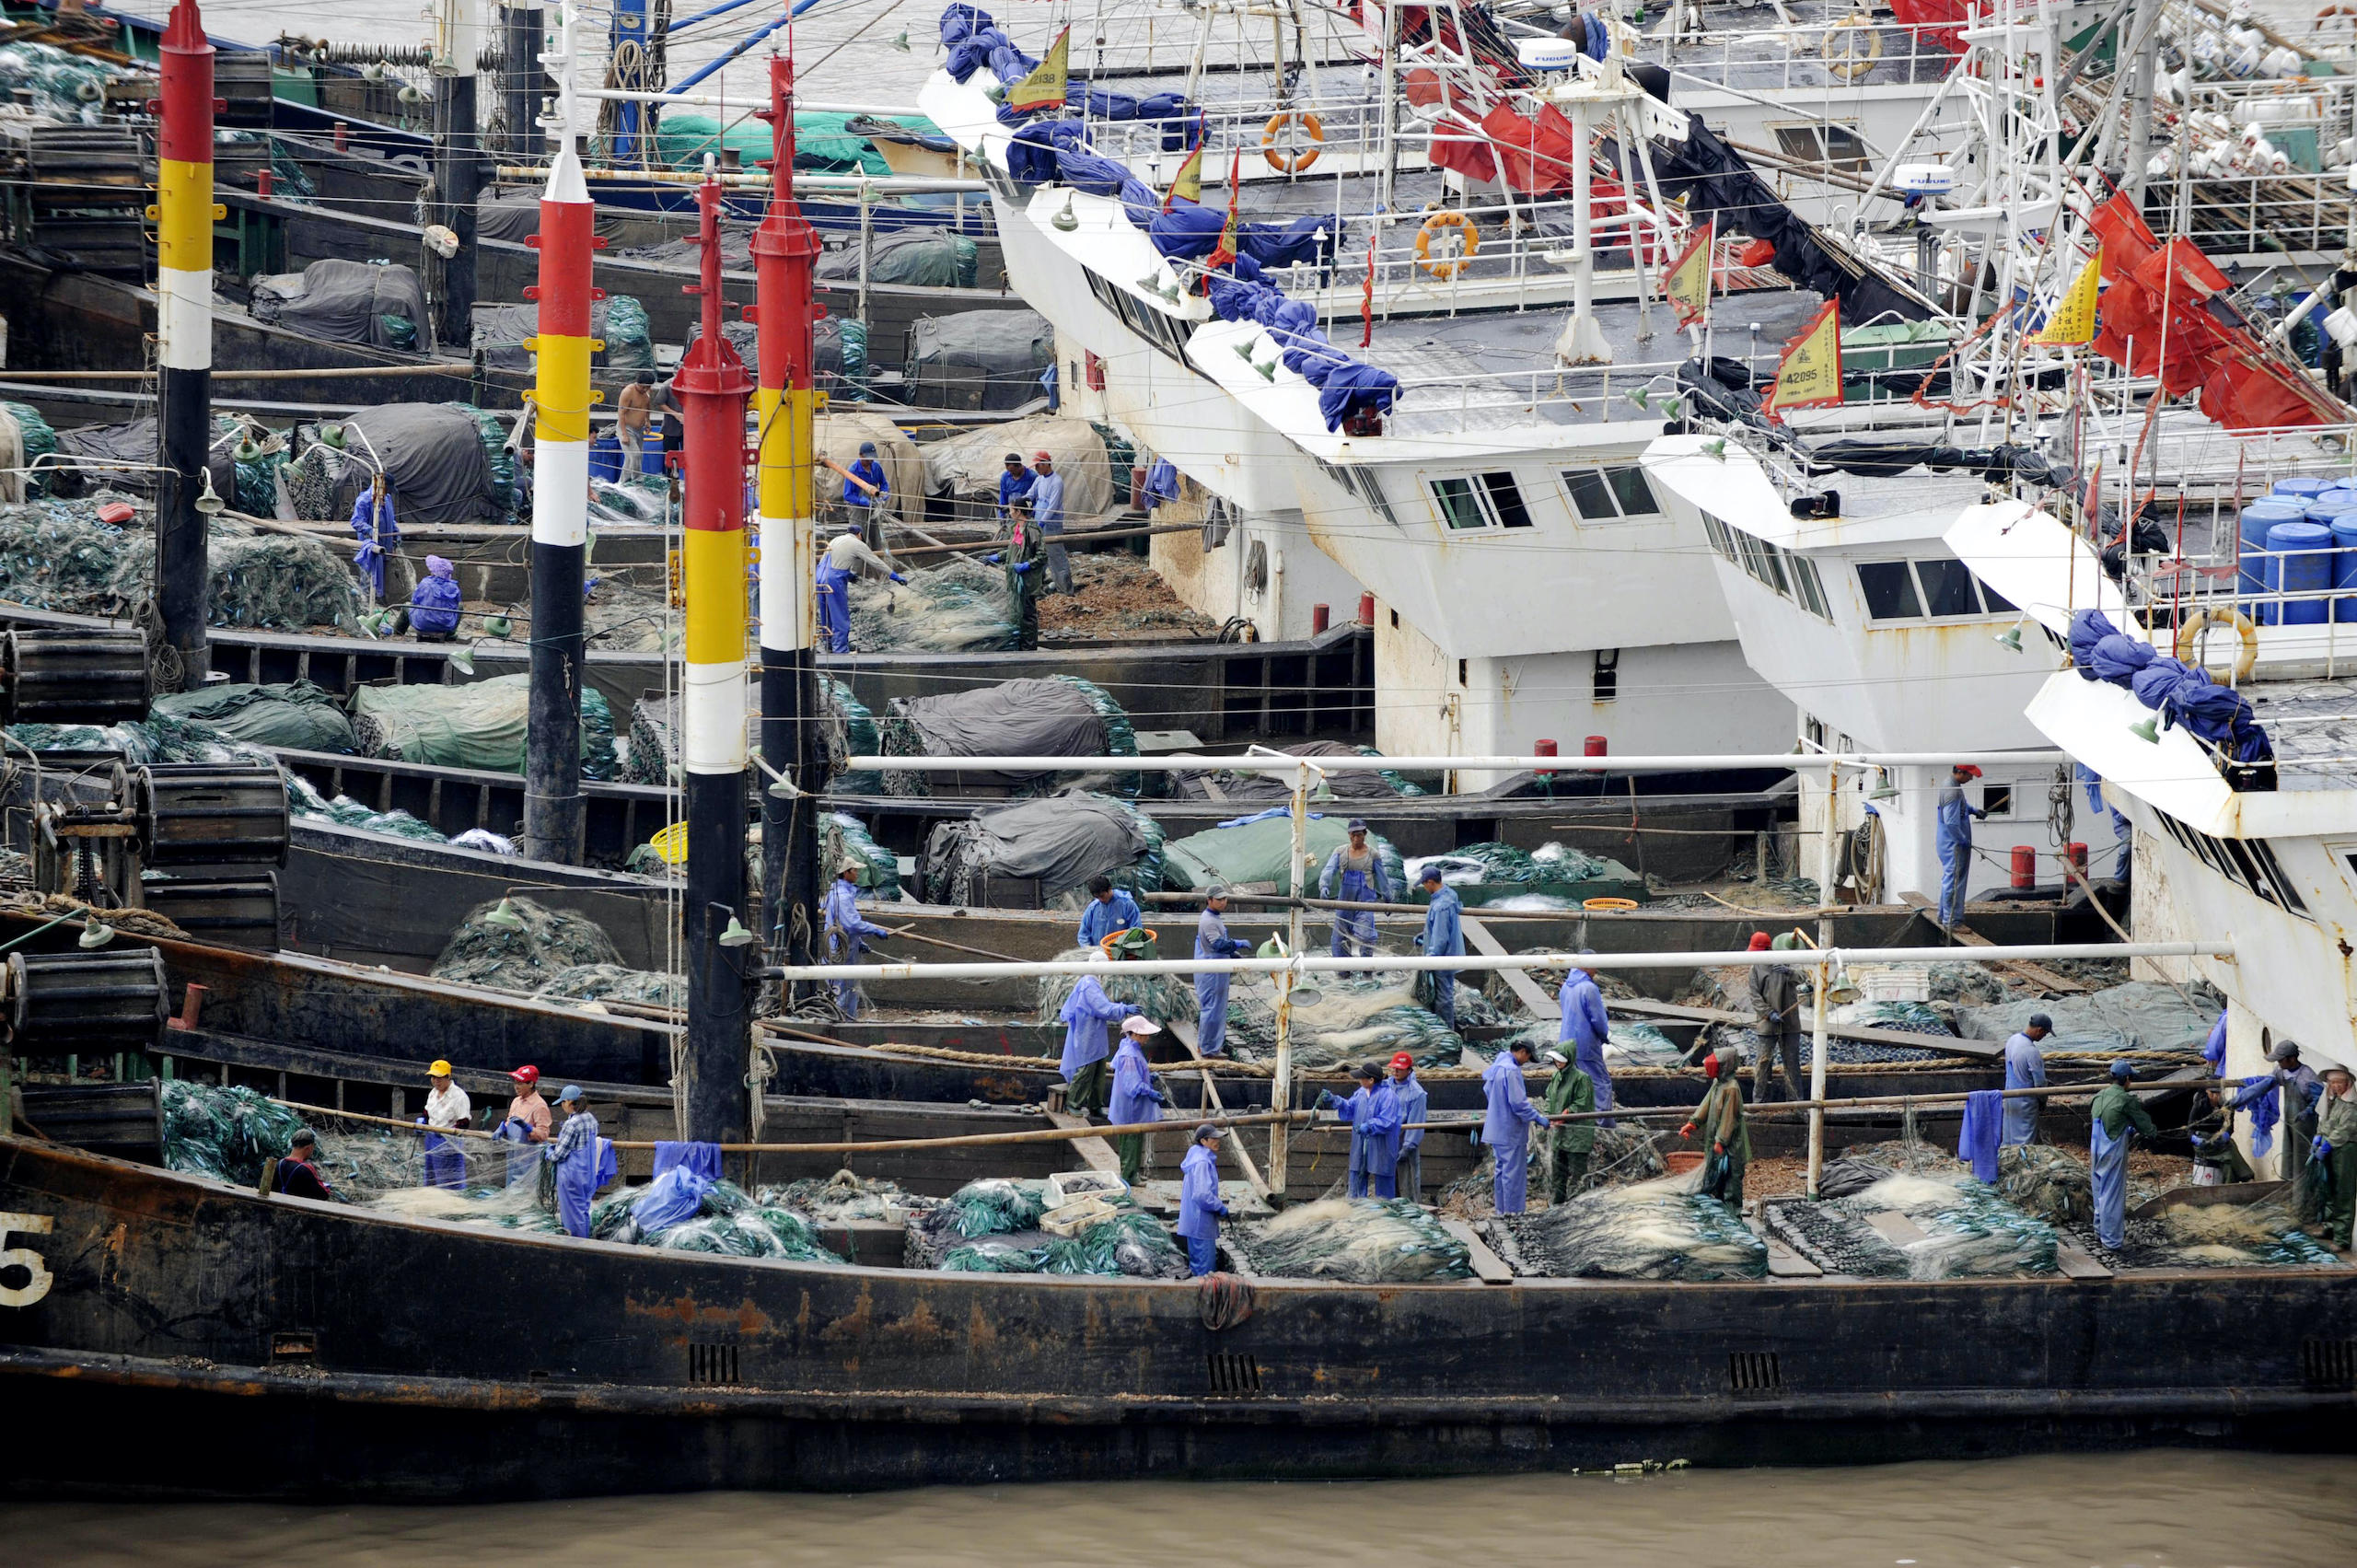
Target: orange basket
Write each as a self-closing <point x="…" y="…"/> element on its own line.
<point x="1607" y="906"/>
<point x="1682" y="1162"/>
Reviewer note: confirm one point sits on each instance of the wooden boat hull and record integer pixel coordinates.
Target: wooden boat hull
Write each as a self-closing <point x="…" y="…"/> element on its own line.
<point x="325" y="1353"/>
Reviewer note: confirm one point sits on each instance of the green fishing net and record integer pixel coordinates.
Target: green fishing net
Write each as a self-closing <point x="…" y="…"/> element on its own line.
<point x="495" y="447"/>
<point x="850" y="732"/>
<point x="1664" y="1229"/>
<point x="62" y="85"/>
<point x="1961" y="1229"/>
<point x="37" y="440"/>
<point x="305" y="800"/>
<point x="1130" y="1244"/>
<point x="1339" y="1020"/>
<point x="1354" y="1241"/>
<point x="993" y="1205"/>
<point x="843" y="1197"/>
<point x="845" y="837"/>
<point x="525" y="956"/>
<point x="225" y="1134"/>
<point x="2049" y="1182"/>
<point x="959" y="608"/>
<point x="1161" y="997"/>
<point x="750" y="1232"/>
<point x="614" y="982"/>
<point x="298" y="715"/>
<point x="479" y="725"/>
<point x="622" y="322"/>
<point x="2222" y="1235"/>
<point x="56" y="555"/>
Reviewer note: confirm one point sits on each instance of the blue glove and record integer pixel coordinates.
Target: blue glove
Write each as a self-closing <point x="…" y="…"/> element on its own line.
<point x="899" y="576"/>
<point x="1419" y="944"/>
<point x="1158" y="1098"/>
<point x="993" y="560"/>
<point x="2320" y="1148"/>
<point x="1025" y="565"/>
<point x="1326" y="1097"/>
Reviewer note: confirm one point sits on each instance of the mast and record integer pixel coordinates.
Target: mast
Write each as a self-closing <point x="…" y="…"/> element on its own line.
<point x="561" y="397"/>
<point x="785" y="249"/>
<point x="712" y="386"/>
<point x="458" y="51"/>
<point x="521" y="77"/>
<point x="183" y="217"/>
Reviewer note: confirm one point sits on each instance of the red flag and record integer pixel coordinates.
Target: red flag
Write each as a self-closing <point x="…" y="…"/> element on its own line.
<point x="1224" y="252"/>
<point x="1366" y="297"/>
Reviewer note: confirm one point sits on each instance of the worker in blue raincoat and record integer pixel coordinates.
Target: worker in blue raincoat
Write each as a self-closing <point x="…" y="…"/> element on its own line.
<point x="1135" y="1096"/>
<point x="1443" y="937"/>
<point x="846" y="927"/>
<point x="1084" y="1015"/>
<point x="1957" y="814"/>
<point x="575" y="1155"/>
<point x="432" y="612"/>
<point x="1506" y="1125"/>
<point x="1211" y="941"/>
<point x="1374" y="1117"/>
<point x="845" y="557"/>
<point x="373" y="525"/>
<point x="2025" y="1069"/>
<point x="2112" y="1118"/>
<point x="1354" y="874"/>
<point x="1013" y="484"/>
<point x="1199" y="1208"/>
<point x="865" y="488"/>
<point x="1110" y="909"/>
<point x="1409" y="1182"/>
<point x="2120" y="828"/>
<point x="1585" y="1029"/>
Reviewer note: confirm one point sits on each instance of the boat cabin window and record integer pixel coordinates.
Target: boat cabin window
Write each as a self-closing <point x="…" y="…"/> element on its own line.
<point x="1480" y="501"/>
<point x="1837" y="145"/>
<point x="1943" y="590"/>
<point x="2250" y="863"/>
<point x="1997" y="799"/>
<point x="1603" y="494"/>
<point x="1774" y="568"/>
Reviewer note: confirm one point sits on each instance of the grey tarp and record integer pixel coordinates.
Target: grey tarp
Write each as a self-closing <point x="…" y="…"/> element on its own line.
<point x="1061" y="840"/>
<point x="978" y="359"/>
<point x="348" y="302"/>
<point x="911" y="257"/>
<point x="1342" y="784"/>
<point x="966" y="465"/>
<point x="2140" y="1015"/>
<point x="620" y="322"/>
<point x="133" y="444"/>
<point x="512" y="215"/>
<point x="433" y="456"/>
<point x="1015" y="718"/>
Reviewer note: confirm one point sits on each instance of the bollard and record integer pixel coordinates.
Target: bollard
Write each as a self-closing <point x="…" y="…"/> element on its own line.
<point x="1320" y="616"/>
<point x="2024" y="868"/>
<point x="1366" y="608"/>
<point x="1595" y="746"/>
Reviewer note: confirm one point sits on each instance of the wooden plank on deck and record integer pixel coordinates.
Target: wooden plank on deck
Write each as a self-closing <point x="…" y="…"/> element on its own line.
<point x="1096" y="1153"/>
<point x="2076" y="1262"/>
<point x="1488" y="1267"/>
<point x="1517" y="981"/>
<point x="1784" y="1263"/>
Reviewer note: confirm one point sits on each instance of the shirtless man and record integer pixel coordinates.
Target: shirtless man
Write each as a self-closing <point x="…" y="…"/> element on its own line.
<point x="635" y="408"/>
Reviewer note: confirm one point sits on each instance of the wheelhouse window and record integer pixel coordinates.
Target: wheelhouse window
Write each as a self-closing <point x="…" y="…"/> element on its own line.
<point x="1943" y="589"/>
<point x="1773" y="567"/>
<point x="1608" y="495"/>
<point x="1480" y="501"/>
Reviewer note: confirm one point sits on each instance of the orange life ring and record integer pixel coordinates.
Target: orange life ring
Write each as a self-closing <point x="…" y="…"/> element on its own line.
<point x="1282" y="159"/>
<point x="1470" y="236"/>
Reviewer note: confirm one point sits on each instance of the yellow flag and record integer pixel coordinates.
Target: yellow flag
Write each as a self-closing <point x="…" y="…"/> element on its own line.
<point x="2071" y="323"/>
<point x="1687" y="284"/>
<point x="1044" y="87"/>
<point x="1809" y="376"/>
<point x="1188" y="186"/>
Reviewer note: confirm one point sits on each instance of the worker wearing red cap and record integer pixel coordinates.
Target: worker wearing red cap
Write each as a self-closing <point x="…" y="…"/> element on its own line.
<point x="1725" y="1127"/>
<point x="1776" y="1017"/>
<point x="1374" y="1116"/>
<point x="1956" y="813"/>
<point x="1048" y="511"/>
<point x="1408" y="1180"/>
<point x="527" y="1122"/>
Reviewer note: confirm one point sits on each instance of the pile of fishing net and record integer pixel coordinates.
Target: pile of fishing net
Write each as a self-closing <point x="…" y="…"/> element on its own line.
<point x="1353" y="1241"/>
<point x="1484" y="874"/>
<point x="614" y="982"/>
<point x="2222" y="1235"/>
<point x="844" y="837"/>
<point x="1340" y="1020"/>
<point x="1061" y="717"/>
<point x="1250" y="854"/>
<point x="61" y="86"/>
<point x="682" y="1211"/>
<point x="844" y="1197"/>
<point x="1956" y="1229"/>
<point x="305" y="800"/>
<point x="230" y="1133"/>
<point x="480" y="725"/>
<point x="962" y="607"/>
<point x="1162" y="997"/>
<point x="2051" y="1183"/>
<point x="2140" y="1015"/>
<point x="850" y="732"/>
<point x="633" y="500"/>
<point x="520" y="943"/>
<point x="57" y="555"/>
<point x="298" y="715"/>
<point x="990" y="1226"/>
<point x="36" y="438"/>
<point x="1664" y="1229"/>
<point x="1058" y="843"/>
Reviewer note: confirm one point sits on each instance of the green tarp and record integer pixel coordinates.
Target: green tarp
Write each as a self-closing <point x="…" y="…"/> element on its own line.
<point x="477" y="725"/>
<point x="1254" y="854"/>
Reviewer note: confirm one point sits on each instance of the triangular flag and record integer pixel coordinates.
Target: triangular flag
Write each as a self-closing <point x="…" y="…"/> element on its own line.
<point x="1809" y="376"/>
<point x="1687" y="284"/>
<point x="1224" y="252"/>
<point x="1044" y="87"/>
<point x="2071" y="323"/>
<point x="1188" y="186"/>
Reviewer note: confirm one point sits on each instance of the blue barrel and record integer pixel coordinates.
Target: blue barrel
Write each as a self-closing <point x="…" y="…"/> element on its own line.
<point x="651" y="458"/>
<point x="2302" y="489"/>
<point x="606" y="461"/>
<point x="2330" y="507"/>
<point x="2302" y="563"/>
<point x="2344" y="568"/>
<point x="2258" y="573"/>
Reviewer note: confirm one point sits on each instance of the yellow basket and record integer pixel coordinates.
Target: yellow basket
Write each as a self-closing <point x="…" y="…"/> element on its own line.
<point x="671" y="843"/>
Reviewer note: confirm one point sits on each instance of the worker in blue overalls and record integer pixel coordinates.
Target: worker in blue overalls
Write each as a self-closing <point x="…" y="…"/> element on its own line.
<point x="1955" y="840"/>
<point x="846" y="927"/>
<point x="1354" y="874"/>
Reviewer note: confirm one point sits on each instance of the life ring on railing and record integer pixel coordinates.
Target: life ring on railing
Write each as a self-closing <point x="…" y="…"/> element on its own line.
<point x="1844" y="54"/>
<point x="1469" y="236"/>
<point x="2189" y="638"/>
<point x="1283" y="158"/>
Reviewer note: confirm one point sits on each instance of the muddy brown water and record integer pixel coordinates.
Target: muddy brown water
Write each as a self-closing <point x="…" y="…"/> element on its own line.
<point x="2161" y="1509"/>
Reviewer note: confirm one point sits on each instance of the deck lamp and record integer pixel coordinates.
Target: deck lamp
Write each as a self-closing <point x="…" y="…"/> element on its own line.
<point x="209" y="502"/>
<point x="94" y="936"/>
<point x="900" y="40"/>
<point x="1886" y="790"/>
<point x="1717" y="448"/>
<point x="2011" y="637"/>
<point x="462" y="658"/>
<point x="505" y="917"/>
<point x="1066" y="220"/>
<point x="735" y="934"/>
<point x="2149" y="731"/>
<point x="498" y="626"/>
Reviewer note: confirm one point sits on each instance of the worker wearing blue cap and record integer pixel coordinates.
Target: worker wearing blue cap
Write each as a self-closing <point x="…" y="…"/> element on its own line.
<point x="2113" y="1114"/>
<point x="575" y="1155"/>
<point x="1354" y="874"/>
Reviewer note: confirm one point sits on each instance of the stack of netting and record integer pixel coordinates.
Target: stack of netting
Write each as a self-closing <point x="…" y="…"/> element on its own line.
<point x="961" y="608"/>
<point x="844" y="837"/>
<point x="480" y="725"/>
<point x="1904" y="1017"/>
<point x="682" y="1211"/>
<point x="255" y="456"/>
<point x="523" y="956"/>
<point x="56" y="555"/>
<point x="2222" y="1235"/>
<point x="850" y="732"/>
<point x="844" y="1197"/>
<point x="298" y="717"/>
<point x="228" y="1134"/>
<point x="61" y="86"/>
<point x="1350" y="1019"/>
<point x="989" y="1226"/>
<point x="495" y="449"/>
<point x="1354" y="1241"/>
<point x="36" y="438"/>
<point x="1422" y="783"/>
<point x="631" y="501"/>
<point x="652" y="751"/>
<point x="1252" y="854"/>
<point x="305" y="800"/>
<point x="1655" y="1230"/>
<point x="1058" y="842"/>
<point x="1555" y="875"/>
<point x="2049" y="1182"/>
<point x="1967" y="1231"/>
<point x="614" y="982"/>
<point x="1061" y="717"/>
<point x="1162" y="997"/>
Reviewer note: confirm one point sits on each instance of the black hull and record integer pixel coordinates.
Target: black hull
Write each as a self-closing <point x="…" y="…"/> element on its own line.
<point x="328" y="1353"/>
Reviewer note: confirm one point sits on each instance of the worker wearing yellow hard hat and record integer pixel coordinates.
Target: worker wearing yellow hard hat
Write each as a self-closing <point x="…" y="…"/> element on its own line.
<point x="445" y="1107"/>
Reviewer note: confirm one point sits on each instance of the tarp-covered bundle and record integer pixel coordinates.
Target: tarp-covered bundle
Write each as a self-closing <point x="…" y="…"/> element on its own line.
<point x="1061" y="717"/>
<point x="2139" y="1016"/>
<point x="1483" y="873"/>
<point x="480" y="725"/>
<point x="296" y="716"/>
<point x="2179" y="693"/>
<point x="966" y="465"/>
<point x="824" y="142"/>
<point x="122" y="457"/>
<point x="978" y="359"/>
<point x="837" y="350"/>
<point x="842" y="837"/>
<point x="522" y="956"/>
<point x="835" y="438"/>
<point x="1353" y="1241"/>
<point x="1250" y="854"/>
<point x="1354" y="783"/>
<point x="501" y="332"/>
<point x="376" y="303"/>
<point x="1965" y="1230"/>
<point x="911" y="257"/>
<point x="958" y="607"/>
<point x="1347" y="388"/>
<point x="1653" y="1230"/>
<point x="437" y="465"/>
<point x="1058" y="842"/>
